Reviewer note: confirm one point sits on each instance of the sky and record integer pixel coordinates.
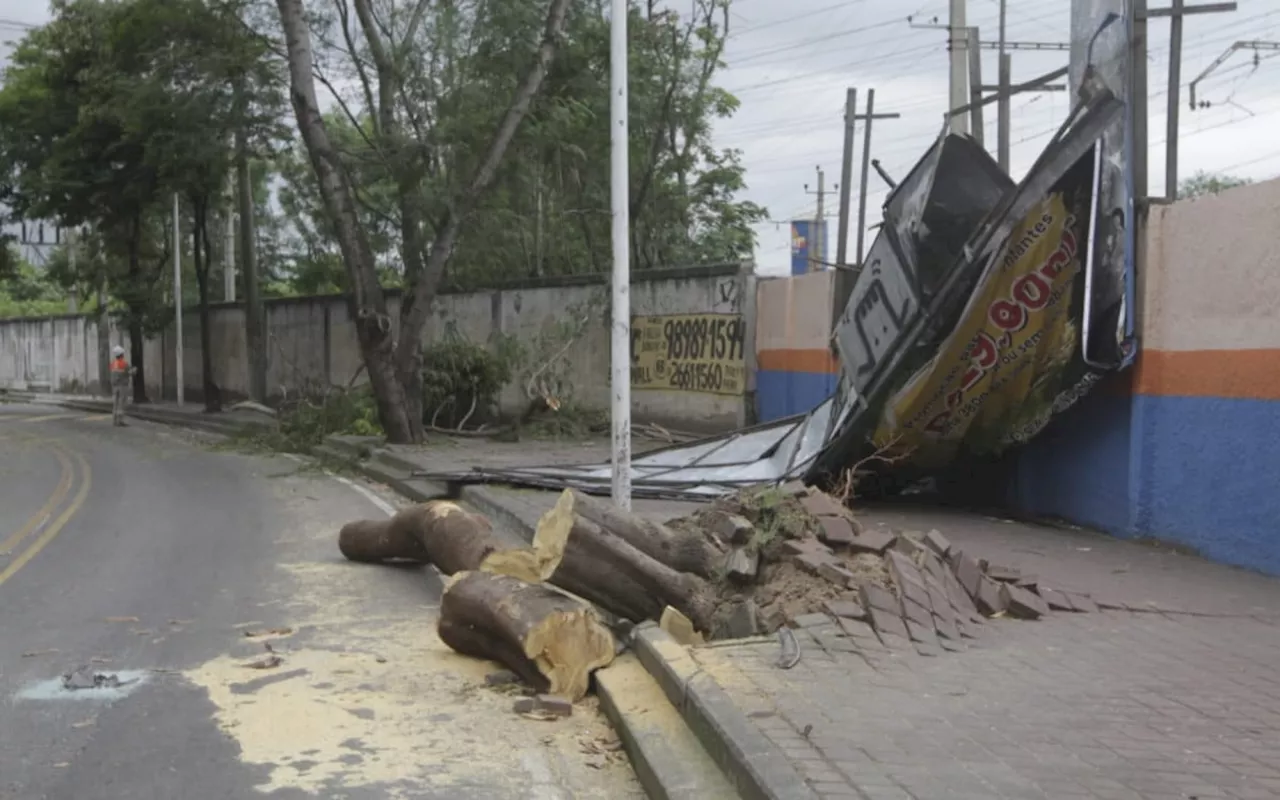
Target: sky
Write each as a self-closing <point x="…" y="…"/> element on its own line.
<point x="790" y="63"/>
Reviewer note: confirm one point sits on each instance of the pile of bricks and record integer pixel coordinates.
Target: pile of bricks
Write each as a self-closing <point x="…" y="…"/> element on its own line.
<point x="928" y="594"/>
<point x="941" y="595"/>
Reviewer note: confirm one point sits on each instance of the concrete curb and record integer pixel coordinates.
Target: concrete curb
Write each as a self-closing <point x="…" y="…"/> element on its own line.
<point x="500" y="511"/>
<point x="756" y="767"/>
<point x="667" y="758"/>
<point x="209" y="423"/>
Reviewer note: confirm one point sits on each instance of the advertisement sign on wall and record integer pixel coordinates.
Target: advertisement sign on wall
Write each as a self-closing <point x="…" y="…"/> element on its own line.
<point x="1015" y="353"/>
<point x="689" y="353"/>
<point x="808" y="246"/>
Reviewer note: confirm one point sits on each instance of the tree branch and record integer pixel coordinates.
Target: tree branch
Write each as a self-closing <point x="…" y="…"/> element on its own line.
<point x="422" y="292"/>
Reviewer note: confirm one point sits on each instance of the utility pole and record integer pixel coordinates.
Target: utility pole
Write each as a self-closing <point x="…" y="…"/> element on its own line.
<point x="957" y="36"/>
<point x="1175" y="14"/>
<point x="73" y="295"/>
<point x="255" y="341"/>
<point x="177" y="300"/>
<point x="846" y="178"/>
<point x="619" y="193"/>
<point x="815" y="261"/>
<point x="870" y="117"/>
<point x="975" y="88"/>
<point x="229" y="255"/>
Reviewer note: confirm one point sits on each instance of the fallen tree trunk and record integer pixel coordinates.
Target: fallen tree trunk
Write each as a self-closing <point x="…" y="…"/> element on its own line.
<point x="680" y="550"/>
<point x="598" y="565"/>
<point x="439" y="532"/>
<point x="551" y="641"/>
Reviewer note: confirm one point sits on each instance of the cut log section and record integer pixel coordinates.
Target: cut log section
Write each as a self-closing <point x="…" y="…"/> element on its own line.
<point x="597" y="565"/>
<point x="550" y="640"/>
<point x="684" y="551"/>
<point x="439" y="532"/>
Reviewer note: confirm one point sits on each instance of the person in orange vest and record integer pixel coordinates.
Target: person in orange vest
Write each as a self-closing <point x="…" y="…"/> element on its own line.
<point x="120" y="374"/>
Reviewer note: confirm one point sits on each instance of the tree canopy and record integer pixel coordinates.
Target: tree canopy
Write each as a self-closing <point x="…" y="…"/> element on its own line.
<point x="1204" y="183"/>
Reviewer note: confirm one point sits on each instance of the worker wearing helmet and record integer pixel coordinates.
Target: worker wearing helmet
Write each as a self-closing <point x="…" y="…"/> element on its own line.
<point x="120" y="373"/>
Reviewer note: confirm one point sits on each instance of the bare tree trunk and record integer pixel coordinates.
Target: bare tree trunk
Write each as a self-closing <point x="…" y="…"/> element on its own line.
<point x="369" y="305"/>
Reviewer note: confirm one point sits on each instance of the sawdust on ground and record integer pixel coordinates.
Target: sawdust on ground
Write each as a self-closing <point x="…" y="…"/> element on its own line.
<point x="379" y="701"/>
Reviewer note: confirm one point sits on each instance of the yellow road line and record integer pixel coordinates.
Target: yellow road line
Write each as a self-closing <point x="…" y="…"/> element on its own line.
<point x="46" y="418"/>
<point x="95" y="418"/>
<point x="56" y="526"/>
<point x="55" y="499"/>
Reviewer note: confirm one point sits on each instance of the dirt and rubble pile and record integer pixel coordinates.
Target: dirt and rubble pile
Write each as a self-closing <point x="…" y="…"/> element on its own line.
<point x="794" y="552"/>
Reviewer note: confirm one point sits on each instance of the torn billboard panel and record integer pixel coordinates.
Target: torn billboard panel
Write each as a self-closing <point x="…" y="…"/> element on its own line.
<point x="962" y="333"/>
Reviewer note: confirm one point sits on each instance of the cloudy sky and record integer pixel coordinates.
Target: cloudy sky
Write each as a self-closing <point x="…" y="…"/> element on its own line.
<point x="791" y="62"/>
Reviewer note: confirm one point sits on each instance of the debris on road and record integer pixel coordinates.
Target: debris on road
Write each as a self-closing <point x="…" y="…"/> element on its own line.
<point x="766" y="560"/>
<point x="270" y="661"/>
<point x="38" y="653"/>
<point x="789" y="649"/>
<point x="544" y="706"/>
<point x="85" y="678"/>
<point x="271" y="633"/>
<point x="122" y="619"/>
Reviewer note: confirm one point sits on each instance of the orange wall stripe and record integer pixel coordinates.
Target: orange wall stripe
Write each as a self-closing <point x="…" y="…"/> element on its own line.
<point x="1236" y="374"/>
<point x="796" y="360"/>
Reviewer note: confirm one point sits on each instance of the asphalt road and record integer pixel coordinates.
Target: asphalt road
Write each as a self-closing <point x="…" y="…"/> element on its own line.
<point x="180" y="568"/>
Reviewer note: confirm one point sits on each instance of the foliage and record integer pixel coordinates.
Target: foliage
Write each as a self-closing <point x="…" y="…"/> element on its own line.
<point x="26" y="291"/>
<point x="548" y="211"/>
<point x="306" y="422"/>
<point x="1205" y="183"/>
<point x="461" y="381"/>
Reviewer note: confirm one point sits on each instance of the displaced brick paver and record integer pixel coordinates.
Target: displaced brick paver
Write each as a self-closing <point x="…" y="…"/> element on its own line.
<point x="1110" y="705"/>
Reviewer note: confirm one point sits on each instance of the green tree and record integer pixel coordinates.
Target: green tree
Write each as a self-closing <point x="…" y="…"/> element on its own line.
<point x="1203" y="183"/>
<point x="110" y="110"/>
<point x="429" y="225"/>
<point x="203" y="78"/>
<point x="68" y="153"/>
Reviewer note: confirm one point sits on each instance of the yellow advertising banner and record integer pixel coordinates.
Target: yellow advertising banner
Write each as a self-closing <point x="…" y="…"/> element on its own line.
<point x="689" y="353"/>
<point x="997" y="368"/>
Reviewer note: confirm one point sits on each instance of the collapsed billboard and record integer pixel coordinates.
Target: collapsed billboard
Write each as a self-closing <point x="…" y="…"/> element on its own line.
<point x="1101" y="32"/>
<point x="964" y="332"/>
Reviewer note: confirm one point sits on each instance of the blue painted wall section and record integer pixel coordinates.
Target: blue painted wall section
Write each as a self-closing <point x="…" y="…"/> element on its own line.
<point x="781" y="394"/>
<point x="1169" y="461"/>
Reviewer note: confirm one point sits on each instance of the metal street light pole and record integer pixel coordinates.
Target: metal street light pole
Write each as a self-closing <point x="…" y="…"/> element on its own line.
<point x="619" y="195"/>
<point x="177" y="298"/>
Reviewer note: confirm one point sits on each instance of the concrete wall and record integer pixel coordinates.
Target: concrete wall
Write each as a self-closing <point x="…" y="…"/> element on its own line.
<point x="312" y="342"/>
<point x="1184" y="449"/>
<point x="58" y="354"/>
<point x="796" y="369"/>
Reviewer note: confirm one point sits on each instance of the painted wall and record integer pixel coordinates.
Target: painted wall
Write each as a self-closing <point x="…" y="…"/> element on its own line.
<point x="795" y="367"/>
<point x="312" y="342"/>
<point x="1186" y="448"/>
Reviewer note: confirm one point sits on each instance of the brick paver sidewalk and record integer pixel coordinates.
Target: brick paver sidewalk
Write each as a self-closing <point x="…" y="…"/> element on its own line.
<point x="1118" y="704"/>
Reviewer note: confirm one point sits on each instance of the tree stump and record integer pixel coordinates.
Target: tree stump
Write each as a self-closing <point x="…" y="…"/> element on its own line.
<point x="552" y="641"/>
<point x="439" y="532"/>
